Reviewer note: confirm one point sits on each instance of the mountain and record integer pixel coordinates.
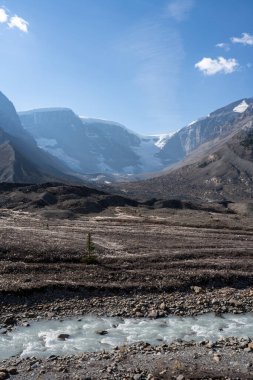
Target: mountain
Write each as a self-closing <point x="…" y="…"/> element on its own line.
<point x="92" y="146"/>
<point x="20" y="158"/>
<point x="210" y="129"/>
<point x="216" y="163"/>
<point x="210" y="159"/>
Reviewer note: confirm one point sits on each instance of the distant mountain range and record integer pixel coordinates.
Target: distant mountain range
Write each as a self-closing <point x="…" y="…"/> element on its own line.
<point x="211" y="158"/>
<point x="93" y="146"/>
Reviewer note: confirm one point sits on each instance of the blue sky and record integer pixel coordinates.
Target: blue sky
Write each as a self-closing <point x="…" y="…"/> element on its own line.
<point x="153" y="65"/>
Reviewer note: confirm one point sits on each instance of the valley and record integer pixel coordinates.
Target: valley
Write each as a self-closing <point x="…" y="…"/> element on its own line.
<point x="126" y="190"/>
<point x="169" y="220"/>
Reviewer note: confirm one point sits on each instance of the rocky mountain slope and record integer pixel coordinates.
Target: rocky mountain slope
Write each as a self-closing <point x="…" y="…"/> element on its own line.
<point x="219" y="169"/>
<point x="20" y="158"/>
<point x="90" y="146"/>
<point x="216" y="126"/>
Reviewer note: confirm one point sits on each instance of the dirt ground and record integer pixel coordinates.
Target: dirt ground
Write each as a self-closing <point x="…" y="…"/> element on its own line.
<point x="137" y="250"/>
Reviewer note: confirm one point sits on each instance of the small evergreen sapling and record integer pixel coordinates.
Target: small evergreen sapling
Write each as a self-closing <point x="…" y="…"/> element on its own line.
<point x="90" y="248"/>
<point x="89" y="244"/>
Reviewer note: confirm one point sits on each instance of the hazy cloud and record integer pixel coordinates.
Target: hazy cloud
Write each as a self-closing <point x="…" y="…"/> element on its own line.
<point x="19" y="23"/>
<point x="246" y="39"/>
<point x="180" y="9"/>
<point x="156" y="55"/>
<point x="3" y="16"/>
<point x="223" y="45"/>
<point x="211" y="66"/>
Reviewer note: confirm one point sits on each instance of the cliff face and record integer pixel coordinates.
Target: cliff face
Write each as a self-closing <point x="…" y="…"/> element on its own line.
<point x="215" y="126"/>
<point x="20" y="158"/>
<point x="220" y="168"/>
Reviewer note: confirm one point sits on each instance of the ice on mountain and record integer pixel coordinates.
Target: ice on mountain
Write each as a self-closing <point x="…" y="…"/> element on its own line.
<point x="241" y="107"/>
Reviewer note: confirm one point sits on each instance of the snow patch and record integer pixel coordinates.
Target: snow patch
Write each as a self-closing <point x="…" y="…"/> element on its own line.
<point x="147" y="151"/>
<point x="241" y="107"/>
<point x="162" y="139"/>
<point x="44" y="143"/>
<point x="50" y="146"/>
<point x="193" y="122"/>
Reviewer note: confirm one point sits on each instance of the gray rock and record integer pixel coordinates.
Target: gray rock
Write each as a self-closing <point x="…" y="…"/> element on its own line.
<point x="101" y="332"/>
<point x="4" y="375"/>
<point x="63" y="336"/>
<point x="153" y="314"/>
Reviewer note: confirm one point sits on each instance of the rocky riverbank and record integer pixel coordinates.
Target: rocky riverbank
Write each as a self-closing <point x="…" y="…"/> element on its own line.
<point x="226" y="358"/>
<point x="19" y="309"/>
<point x="150" y="265"/>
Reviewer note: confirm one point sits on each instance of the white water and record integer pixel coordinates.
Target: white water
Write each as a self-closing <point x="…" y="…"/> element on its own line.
<point x="41" y="338"/>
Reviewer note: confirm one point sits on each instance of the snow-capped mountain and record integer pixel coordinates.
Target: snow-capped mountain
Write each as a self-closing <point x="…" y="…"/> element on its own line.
<point x="90" y="146"/>
<point x="93" y="146"/>
<point x="209" y="129"/>
<point x="217" y="162"/>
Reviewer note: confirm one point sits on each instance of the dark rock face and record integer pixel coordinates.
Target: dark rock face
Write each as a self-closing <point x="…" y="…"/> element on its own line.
<point x="9" y="120"/>
<point x="20" y="158"/>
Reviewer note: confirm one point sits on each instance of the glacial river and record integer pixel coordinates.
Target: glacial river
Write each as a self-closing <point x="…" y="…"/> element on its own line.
<point x="90" y="333"/>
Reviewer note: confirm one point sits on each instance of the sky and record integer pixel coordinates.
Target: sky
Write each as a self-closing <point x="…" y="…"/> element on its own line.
<point x="152" y="65"/>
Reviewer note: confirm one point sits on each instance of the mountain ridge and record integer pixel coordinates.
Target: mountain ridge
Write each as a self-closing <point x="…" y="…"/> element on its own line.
<point x="223" y="171"/>
<point x="91" y="146"/>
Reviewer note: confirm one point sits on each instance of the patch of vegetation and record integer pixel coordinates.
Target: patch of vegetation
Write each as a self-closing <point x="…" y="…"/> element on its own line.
<point x="248" y="141"/>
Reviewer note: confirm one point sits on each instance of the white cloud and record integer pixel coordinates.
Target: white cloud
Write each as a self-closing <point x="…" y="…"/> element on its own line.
<point x="3" y="16"/>
<point x="19" y="23"/>
<point x="223" y="45"/>
<point x="180" y="9"/>
<point x="246" y="39"/>
<point x="211" y="66"/>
